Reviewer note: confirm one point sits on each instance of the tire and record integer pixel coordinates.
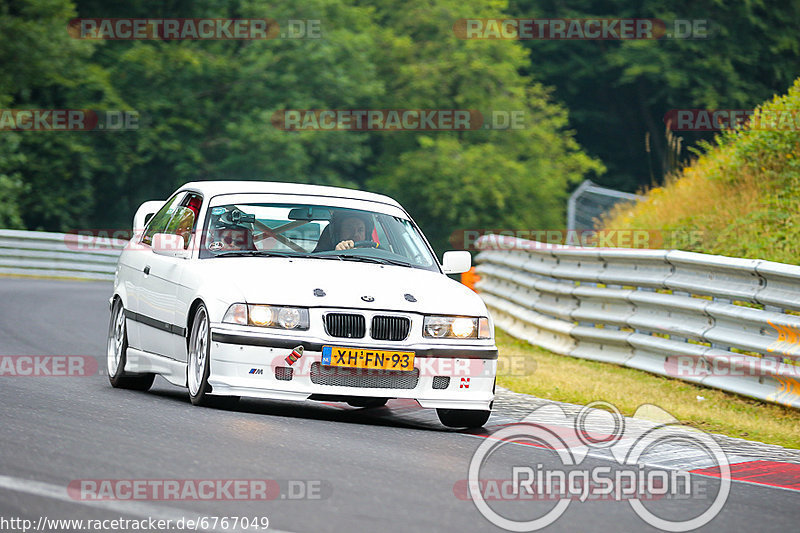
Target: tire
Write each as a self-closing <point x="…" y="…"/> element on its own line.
<point x="463" y="418"/>
<point x="367" y="402"/>
<point x="117" y="354"/>
<point x="199" y="364"/>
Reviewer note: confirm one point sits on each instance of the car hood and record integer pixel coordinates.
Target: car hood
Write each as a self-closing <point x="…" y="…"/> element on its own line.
<point x="283" y="281"/>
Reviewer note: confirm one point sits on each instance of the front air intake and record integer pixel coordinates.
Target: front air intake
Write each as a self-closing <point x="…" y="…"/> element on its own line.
<point x="441" y="382"/>
<point x="283" y="373"/>
<point x="336" y="376"/>
<point x="345" y="325"/>
<point x="390" y="328"/>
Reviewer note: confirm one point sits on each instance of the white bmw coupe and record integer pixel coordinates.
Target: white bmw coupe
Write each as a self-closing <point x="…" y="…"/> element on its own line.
<point x="287" y="291"/>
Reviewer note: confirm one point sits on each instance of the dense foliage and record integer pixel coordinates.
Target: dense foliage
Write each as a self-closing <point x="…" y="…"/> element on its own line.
<point x="205" y="106"/>
<point x="741" y="198"/>
<point x="618" y="92"/>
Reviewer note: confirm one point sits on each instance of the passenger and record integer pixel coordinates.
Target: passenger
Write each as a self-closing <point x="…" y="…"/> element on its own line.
<point x="231" y="238"/>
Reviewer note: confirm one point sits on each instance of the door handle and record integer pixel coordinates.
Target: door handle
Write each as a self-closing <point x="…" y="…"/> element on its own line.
<point x="147" y="270"/>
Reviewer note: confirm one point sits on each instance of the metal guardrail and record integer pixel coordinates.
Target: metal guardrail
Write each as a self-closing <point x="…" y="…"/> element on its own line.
<point x="726" y="323"/>
<point x="590" y="201"/>
<point x="59" y="255"/>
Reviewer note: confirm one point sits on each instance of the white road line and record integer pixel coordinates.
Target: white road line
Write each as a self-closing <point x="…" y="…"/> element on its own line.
<point x="130" y="508"/>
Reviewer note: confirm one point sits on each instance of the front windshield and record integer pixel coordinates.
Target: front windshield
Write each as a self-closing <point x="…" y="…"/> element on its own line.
<point x="315" y="231"/>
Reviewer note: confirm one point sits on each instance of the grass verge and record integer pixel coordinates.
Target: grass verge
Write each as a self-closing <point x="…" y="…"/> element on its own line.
<point x="579" y="381"/>
<point x="739" y="198"/>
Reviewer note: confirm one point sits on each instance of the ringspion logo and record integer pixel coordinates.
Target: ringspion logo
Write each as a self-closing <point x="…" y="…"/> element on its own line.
<point x="623" y="479"/>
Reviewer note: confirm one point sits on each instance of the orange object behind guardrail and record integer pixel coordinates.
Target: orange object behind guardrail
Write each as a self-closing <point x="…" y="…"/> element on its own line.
<point x="469" y="278"/>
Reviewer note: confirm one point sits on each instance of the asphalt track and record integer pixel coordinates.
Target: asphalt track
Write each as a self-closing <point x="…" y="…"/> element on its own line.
<point x="385" y="469"/>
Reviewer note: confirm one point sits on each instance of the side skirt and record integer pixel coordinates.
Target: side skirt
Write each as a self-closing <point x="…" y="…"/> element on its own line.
<point x="145" y="362"/>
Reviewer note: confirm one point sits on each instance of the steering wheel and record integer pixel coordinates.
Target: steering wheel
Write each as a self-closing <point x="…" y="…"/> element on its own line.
<point x="365" y="244"/>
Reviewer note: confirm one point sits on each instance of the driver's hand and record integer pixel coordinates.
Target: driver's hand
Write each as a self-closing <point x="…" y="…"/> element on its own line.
<point x="345" y="245"/>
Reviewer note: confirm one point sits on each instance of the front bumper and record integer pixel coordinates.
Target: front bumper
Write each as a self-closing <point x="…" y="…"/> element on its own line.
<point x="247" y="364"/>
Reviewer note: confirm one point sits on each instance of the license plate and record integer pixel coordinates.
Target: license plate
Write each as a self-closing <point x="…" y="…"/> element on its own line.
<point x="366" y="358"/>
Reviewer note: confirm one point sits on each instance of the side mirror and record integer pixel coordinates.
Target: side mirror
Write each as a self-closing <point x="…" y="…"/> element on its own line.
<point x="170" y="245"/>
<point x="456" y="262"/>
<point x="144" y="214"/>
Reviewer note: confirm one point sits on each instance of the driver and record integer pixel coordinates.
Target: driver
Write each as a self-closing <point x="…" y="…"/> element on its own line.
<point x="352" y="230"/>
<point x="345" y="230"/>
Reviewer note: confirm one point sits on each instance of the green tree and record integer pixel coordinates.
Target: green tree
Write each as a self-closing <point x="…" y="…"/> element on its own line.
<point x="509" y="178"/>
<point x="205" y="111"/>
<point x="48" y="175"/>
<point x="619" y="91"/>
<point x="206" y="107"/>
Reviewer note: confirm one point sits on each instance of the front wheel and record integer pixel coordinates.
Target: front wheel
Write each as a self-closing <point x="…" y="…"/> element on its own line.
<point x="117" y="354"/>
<point x="463" y="418"/>
<point x="199" y="366"/>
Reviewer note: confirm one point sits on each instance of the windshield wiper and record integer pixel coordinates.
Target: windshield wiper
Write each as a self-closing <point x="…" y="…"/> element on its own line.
<point x="257" y="253"/>
<point x="378" y="260"/>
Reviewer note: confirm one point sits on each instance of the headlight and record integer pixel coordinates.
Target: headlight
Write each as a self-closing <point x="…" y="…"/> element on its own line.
<point x="261" y="315"/>
<point x="436" y="326"/>
<point x="267" y="316"/>
<point x="289" y="317"/>
<point x="456" y="327"/>
<point x="463" y="327"/>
